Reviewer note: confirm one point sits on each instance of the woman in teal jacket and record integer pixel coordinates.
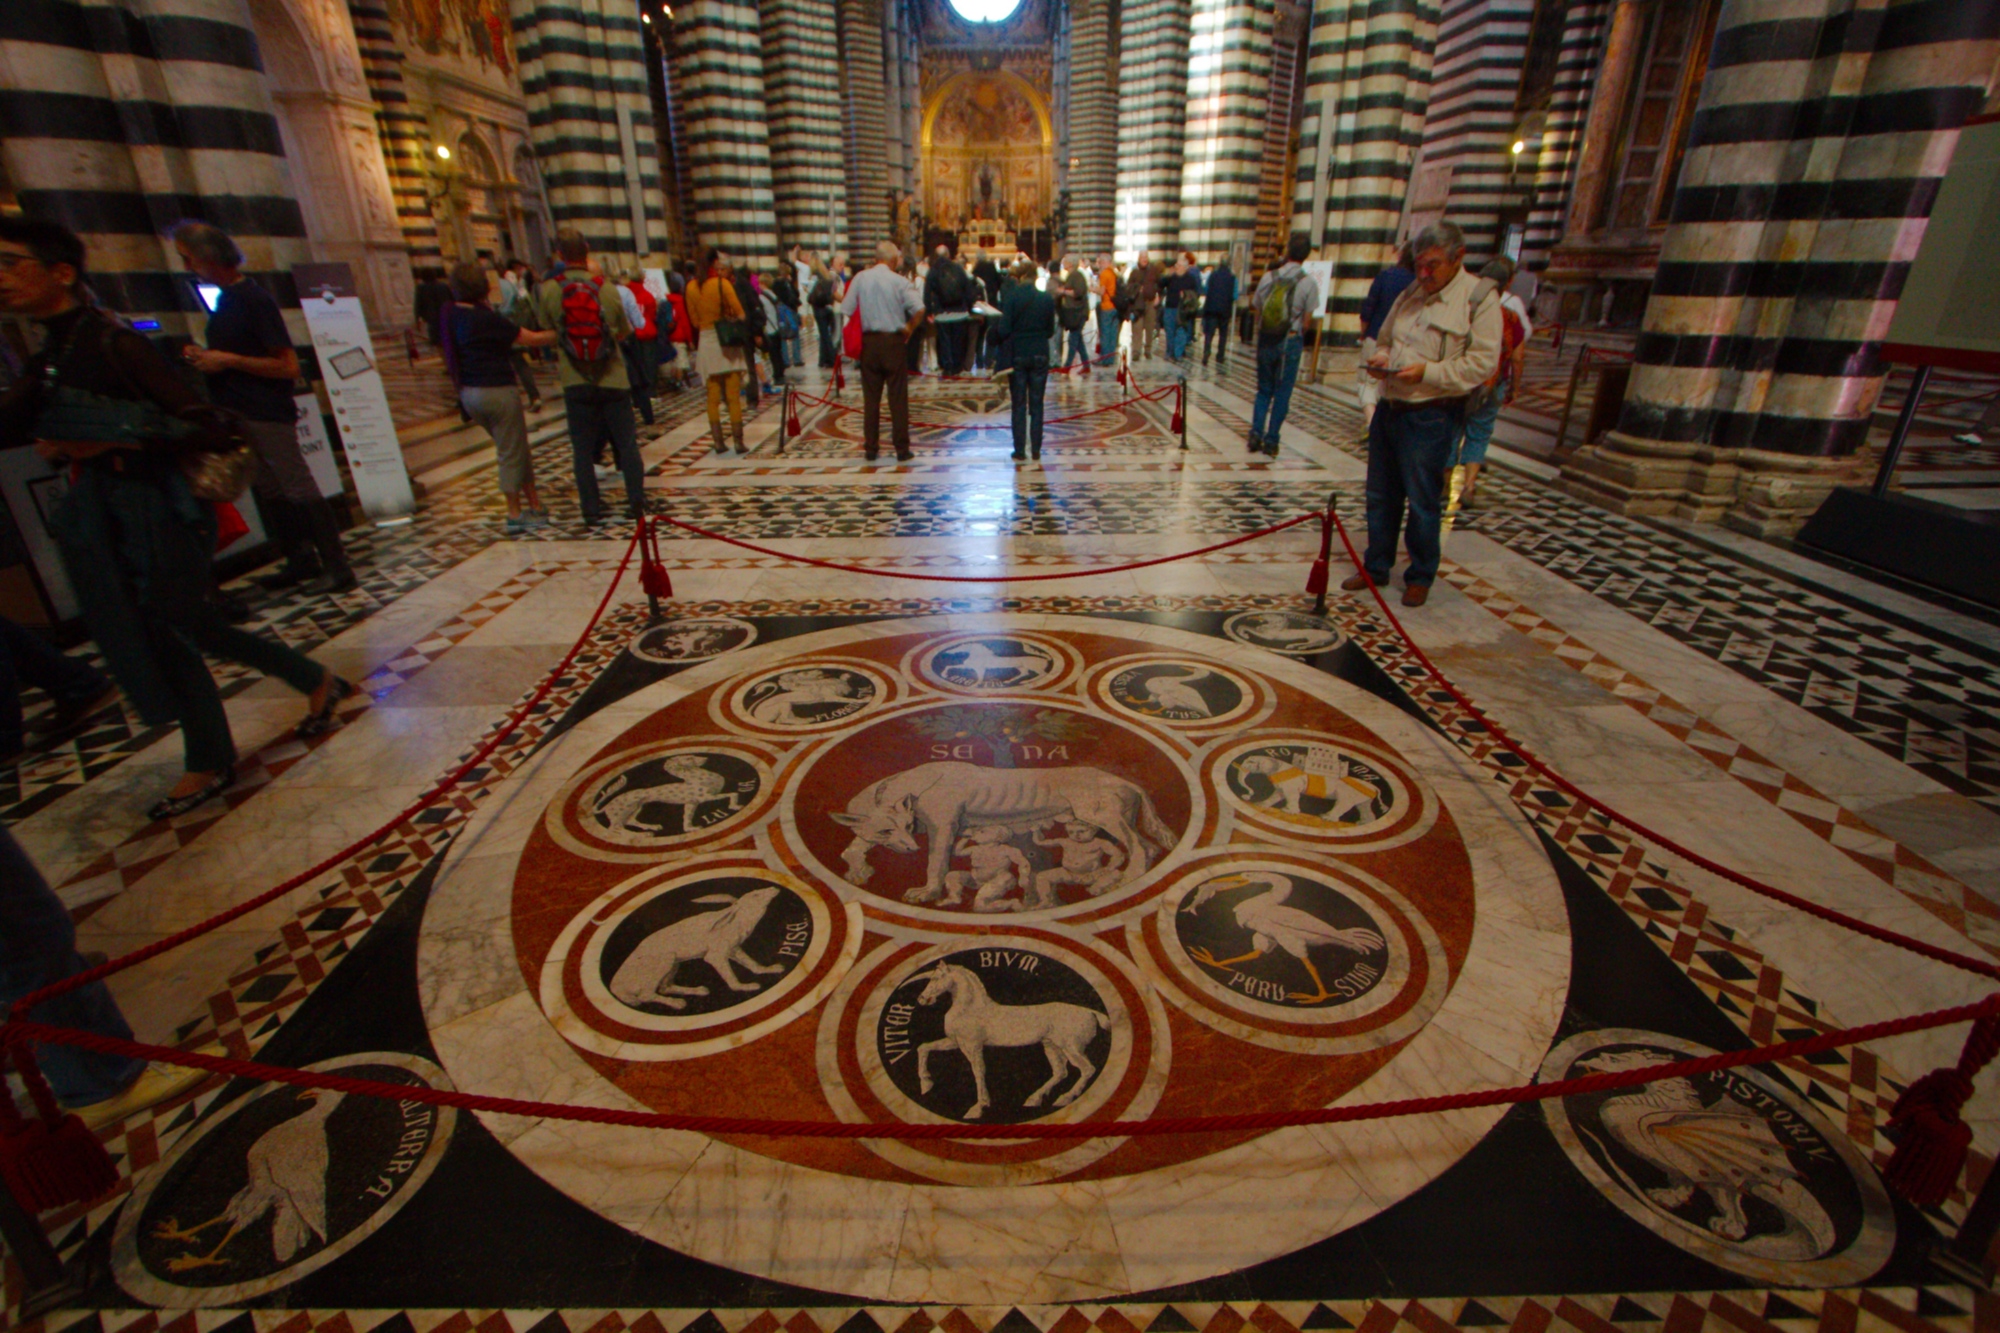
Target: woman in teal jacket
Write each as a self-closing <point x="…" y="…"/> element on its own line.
<point x="1027" y="322"/>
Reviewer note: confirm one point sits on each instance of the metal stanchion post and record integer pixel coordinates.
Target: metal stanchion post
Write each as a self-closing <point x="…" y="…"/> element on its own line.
<point x="1893" y="451"/>
<point x="1184" y="411"/>
<point x="1321" y="575"/>
<point x="785" y="418"/>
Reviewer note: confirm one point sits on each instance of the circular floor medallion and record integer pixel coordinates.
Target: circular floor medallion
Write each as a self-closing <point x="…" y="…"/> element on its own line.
<point x="1002" y="1029"/>
<point x="966" y="810"/>
<point x="1323" y="790"/>
<point x="279" y="1185"/>
<point x="1314" y="958"/>
<point x="1178" y="692"/>
<point x="1730" y="1166"/>
<point x="692" y="639"/>
<point x="670" y="966"/>
<point x="805" y="697"/>
<point x="643" y="802"/>
<point x="996" y="663"/>
<point x="980" y="822"/>
<point x="1290" y="632"/>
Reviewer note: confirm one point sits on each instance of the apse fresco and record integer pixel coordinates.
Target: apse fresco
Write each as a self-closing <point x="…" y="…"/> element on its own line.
<point x="478" y="33"/>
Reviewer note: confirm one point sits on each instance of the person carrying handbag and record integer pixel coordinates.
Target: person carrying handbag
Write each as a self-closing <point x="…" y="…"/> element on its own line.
<point x="102" y="402"/>
<point x="720" y="351"/>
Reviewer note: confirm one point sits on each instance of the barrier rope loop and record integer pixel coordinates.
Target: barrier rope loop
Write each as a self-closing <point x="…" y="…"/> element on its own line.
<point x="53" y="1160"/>
<point x="1977" y="966"/>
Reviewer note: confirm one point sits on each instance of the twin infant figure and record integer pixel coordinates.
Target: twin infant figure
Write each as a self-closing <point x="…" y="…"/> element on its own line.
<point x="998" y="867"/>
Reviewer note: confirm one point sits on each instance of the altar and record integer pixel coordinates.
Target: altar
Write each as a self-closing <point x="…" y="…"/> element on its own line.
<point x="988" y="160"/>
<point x="994" y="237"/>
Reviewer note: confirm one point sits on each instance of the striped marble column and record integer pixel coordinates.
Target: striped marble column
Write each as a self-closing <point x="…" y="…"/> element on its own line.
<point x="590" y="119"/>
<point x="1152" y="125"/>
<point x="1470" y="124"/>
<point x="1562" y="133"/>
<point x="1812" y="162"/>
<point x="864" y="128"/>
<point x="1229" y="86"/>
<point x="802" y="81"/>
<point x="1093" y="128"/>
<point x="402" y="129"/>
<point x="99" y="138"/>
<point x="1368" y="79"/>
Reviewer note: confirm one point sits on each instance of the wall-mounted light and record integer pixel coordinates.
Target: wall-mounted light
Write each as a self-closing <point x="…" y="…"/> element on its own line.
<point x="646" y="19"/>
<point x="1520" y="146"/>
<point x="444" y="154"/>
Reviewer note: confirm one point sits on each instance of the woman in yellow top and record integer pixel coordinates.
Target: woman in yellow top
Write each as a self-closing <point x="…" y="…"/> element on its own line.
<point x="711" y="297"/>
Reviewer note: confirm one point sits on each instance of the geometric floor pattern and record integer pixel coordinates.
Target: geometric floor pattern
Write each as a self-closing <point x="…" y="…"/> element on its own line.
<point x="1140" y="775"/>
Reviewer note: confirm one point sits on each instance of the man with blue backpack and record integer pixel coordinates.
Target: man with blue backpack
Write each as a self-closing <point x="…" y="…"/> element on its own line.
<point x="588" y="318"/>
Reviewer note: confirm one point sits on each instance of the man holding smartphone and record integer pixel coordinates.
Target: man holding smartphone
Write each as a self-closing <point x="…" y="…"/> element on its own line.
<point x="1434" y="349"/>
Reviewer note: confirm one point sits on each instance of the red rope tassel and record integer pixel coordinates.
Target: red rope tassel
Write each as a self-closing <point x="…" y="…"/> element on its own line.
<point x="793" y="424"/>
<point x="50" y="1160"/>
<point x="1180" y="410"/>
<point x="1932" y="1138"/>
<point x="653" y="578"/>
<point x="839" y="376"/>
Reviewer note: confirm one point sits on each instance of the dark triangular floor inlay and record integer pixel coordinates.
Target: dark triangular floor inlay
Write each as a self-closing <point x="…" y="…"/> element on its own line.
<point x="1629" y="1311"/>
<point x="1322" y="1318"/>
<point x="1170" y="1320"/>
<point x="862" y="1322"/>
<point x="1777" y="1307"/>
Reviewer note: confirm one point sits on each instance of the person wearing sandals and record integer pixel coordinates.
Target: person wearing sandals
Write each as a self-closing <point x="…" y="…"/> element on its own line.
<point x="479" y="344"/>
<point x="101" y="402"/>
<point x="712" y="304"/>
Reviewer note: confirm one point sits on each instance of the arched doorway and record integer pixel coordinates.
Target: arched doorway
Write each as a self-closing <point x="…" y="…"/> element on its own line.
<point x="988" y="155"/>
<point x="487" y="231"/>
<point x="332" y="151"/>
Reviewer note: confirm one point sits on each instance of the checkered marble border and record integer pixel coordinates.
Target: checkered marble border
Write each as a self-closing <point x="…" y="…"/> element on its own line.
<point x="1913" y="693"/>
<point x="1857" y="1310"/>
<point x="1937" y="891"/>
<point x="145" y="849"/>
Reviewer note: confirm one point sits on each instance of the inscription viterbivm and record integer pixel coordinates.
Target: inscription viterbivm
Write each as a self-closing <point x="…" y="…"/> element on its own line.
<point x="995" y="1035"/>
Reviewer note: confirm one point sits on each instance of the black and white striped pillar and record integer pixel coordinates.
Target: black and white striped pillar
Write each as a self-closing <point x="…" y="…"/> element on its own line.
<point x="864" y="129"/>
<point x="1469" y="123"/>
<point x="802" y="81"/>
<point x="1368" y="79"/>
<point x="590" y="119"/>
<point x="1813" y="159"/>
<point x="98" y="139"/>
<point x="1152" y="126"/>
<point x="1562" y="133"/>
<point x="1093" y="127"/>
<point x="401" y="128"/>
<point x="1229" y="89"/>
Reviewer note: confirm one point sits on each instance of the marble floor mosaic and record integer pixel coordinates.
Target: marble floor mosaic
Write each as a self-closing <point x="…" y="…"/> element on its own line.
<point x="1124" y="844"/>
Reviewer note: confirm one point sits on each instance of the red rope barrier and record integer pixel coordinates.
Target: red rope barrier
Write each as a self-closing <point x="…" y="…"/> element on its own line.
<point x="1977" y="966"/>
<point x="988" y="578"/>
<point x="27" y="1002"/>
<point x="1237" y="1122"/>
